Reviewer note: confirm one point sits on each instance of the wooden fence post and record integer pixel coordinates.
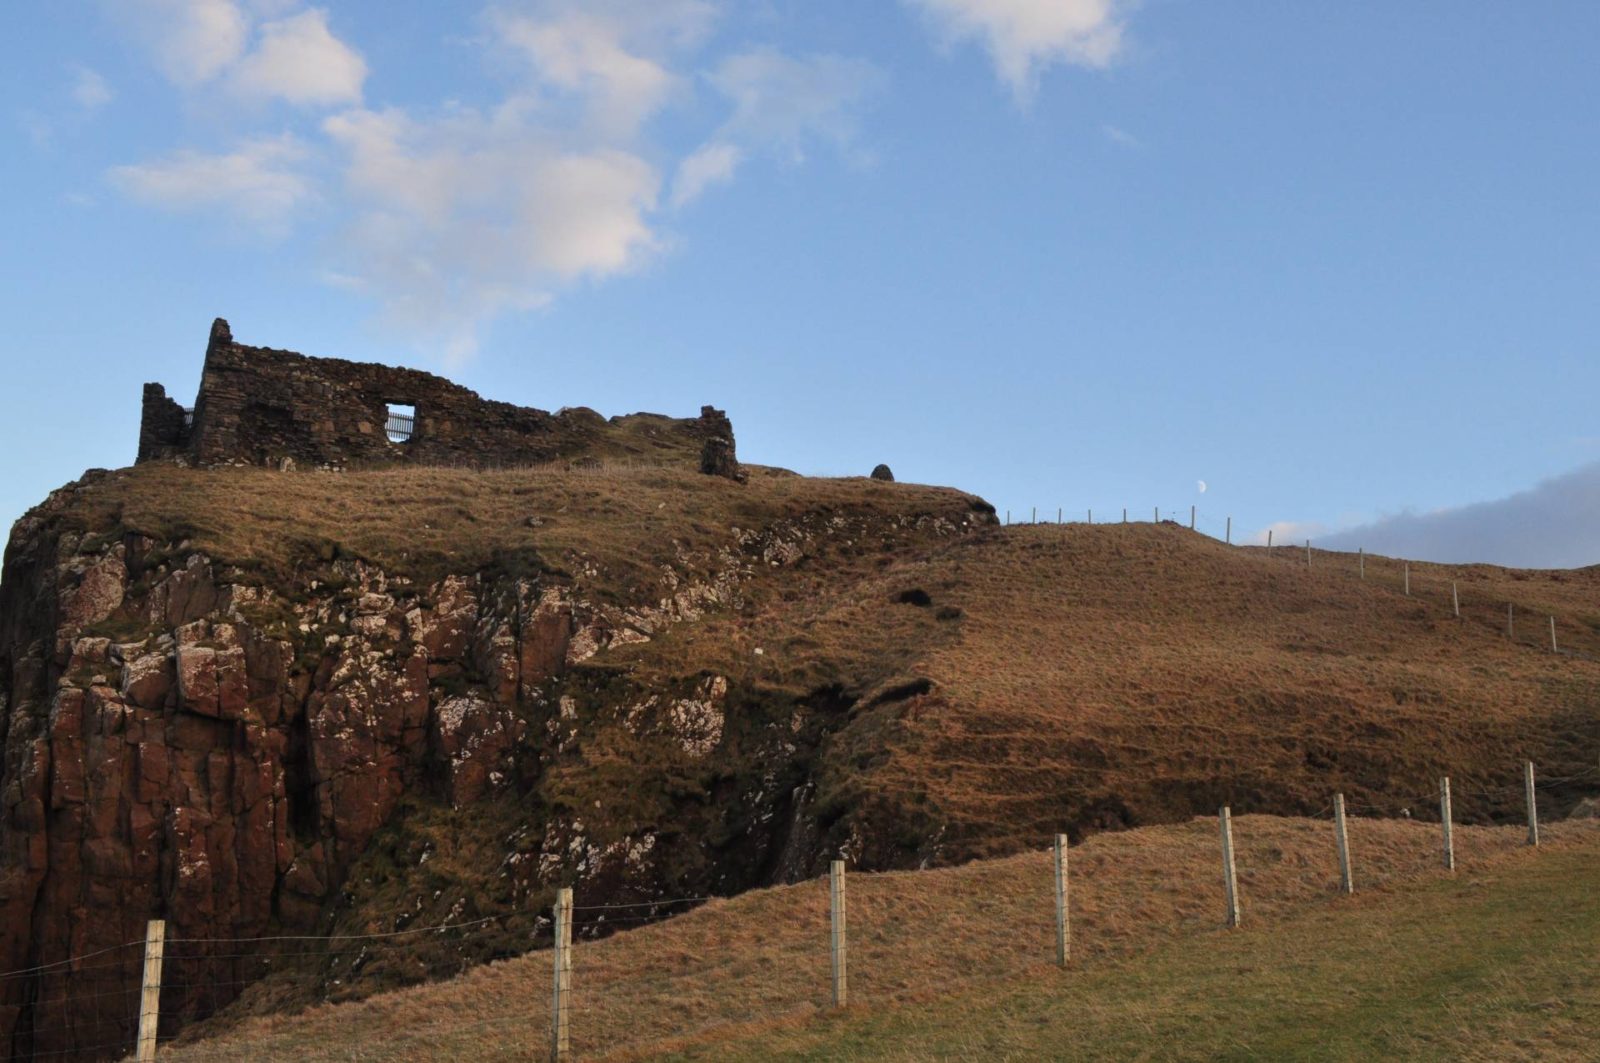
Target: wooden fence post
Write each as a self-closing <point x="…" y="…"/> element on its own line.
<point x="1455" y="599"/>
<point x="1361" y="559"/>
<point x="1035" y="518"/>
<point x="1308" y="553"/>
<point x="1124" y="514"/>
<point x="1342" y="839"/>
<point x="1511" y="621"/>
<point x="155" y="947"/>
<point x="836" y="938"/>
<point x="1444" y="818"/>
<point x="1158" y="515"/>
<point x="561" y="997"/>
<point x="1229" y="539"/>
<point x="1553" y="647"/>
<point x="1091" y="516"/>
<point x="1533" y="805"/>
<point x="1230" y="880"/>
<point x="1063" y="930"/>
<point x="1269" y="540"/>
<point x="1408" y="578"/>
<point x="1191" y="518"/>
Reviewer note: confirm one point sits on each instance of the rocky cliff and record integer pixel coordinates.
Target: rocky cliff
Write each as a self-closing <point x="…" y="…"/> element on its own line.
<point x="191" y="737"/>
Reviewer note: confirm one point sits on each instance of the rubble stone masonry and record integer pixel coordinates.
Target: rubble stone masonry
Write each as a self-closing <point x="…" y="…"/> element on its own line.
<point x="261" y="406"/>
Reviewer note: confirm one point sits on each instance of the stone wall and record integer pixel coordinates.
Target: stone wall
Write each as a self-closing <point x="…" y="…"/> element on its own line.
<point x="164" y="427"/>
<point x="261" y="406"/>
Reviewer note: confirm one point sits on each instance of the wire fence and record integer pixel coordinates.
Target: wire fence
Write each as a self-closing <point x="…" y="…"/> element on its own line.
<point x="89" y="1005"/>
<point x="1002" y="920"/>
<point x="1448" y="589"/>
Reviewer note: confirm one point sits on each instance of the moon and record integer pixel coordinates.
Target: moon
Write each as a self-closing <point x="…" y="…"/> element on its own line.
<point x="1201" y="486"/>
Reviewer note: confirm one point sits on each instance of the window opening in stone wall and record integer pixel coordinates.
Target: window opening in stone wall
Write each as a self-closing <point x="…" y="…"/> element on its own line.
<point x="188" y="417"/>
<point x="402" y="423"/>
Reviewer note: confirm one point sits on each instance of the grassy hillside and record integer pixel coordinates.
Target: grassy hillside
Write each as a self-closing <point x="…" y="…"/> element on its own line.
<point x="1491" y="969"/>
<point x="956" y="962"/>
<point x="995" y="685"/>
<point x="1115" y="674"/>
<point x="907" y="682"/>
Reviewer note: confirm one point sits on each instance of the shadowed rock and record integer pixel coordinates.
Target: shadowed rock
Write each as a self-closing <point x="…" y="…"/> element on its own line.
<point x="717" y="456"/>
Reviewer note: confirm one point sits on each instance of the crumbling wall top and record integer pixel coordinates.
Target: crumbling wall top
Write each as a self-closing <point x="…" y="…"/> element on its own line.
<point x="262" y="406"/>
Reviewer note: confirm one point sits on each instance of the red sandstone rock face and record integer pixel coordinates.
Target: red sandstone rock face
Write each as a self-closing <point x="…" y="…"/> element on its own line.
<point x="178" y="741"/>
<point x="187" y="768"/>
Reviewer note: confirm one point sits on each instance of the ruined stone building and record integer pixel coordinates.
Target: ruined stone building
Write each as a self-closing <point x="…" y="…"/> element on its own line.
<point x="260" y="406"/>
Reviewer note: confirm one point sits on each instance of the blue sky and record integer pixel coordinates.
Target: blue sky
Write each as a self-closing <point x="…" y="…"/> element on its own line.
<point x="1337" y="261"/>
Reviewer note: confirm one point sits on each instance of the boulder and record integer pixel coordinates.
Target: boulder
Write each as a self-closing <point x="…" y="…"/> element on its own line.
<point x="882" y="473"/>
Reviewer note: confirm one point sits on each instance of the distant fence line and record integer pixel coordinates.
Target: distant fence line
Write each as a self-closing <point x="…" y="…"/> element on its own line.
<point x="1511" y="617"/>
<point x="179" y="963"/>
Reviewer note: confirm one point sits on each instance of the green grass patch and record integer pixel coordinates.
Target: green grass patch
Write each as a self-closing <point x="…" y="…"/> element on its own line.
<point x="1498" y="968"/>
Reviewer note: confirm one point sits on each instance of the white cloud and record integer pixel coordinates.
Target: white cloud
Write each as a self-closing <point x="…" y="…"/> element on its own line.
<point x="1555" y="524"/>
<point x="89" y="90"/>
<point x="451" y="215"/>
<point x="713" y="164"/>
<point x="1290" y="532"/>
<point x="1024" y="36"/>
<point x="192" y="40"/>
<point x="263" y="49"/>
<point x="298" y="59"/>
<point x="780" y="104"/>
<point x="262" y="183"/>
<point x="783" y="102"/>
<point x="40" y="129"/>
<point x="466" y="216"/>
<point x="613" y="55"/>
<point x="1121" y="137"/>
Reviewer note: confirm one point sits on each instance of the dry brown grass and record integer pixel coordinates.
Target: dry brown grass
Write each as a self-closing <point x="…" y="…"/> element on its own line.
<point x="424" y="522"/>
<point x="733" y="968"/>
<point x="1082" y="678"/>
<point x="1096" y="676"/>
<point x="1116" y="674"/>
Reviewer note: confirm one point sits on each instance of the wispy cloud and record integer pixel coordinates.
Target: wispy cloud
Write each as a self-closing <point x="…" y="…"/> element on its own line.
<point x="261" y="183"/>
<point x="1555" y="524"/>
<point x="614" y="58"/>
<point x="787" y="103"/>
<point x="90" y="91"/>
<point x="467" y="216"/>
<point x="1285" y="532"/>
<point x="1121" y="137"/>
<point x="1023" y="37"/>
<point x="783" y="106"/>
<point x="713" y="164"/>
<point x="449" y="215"/>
